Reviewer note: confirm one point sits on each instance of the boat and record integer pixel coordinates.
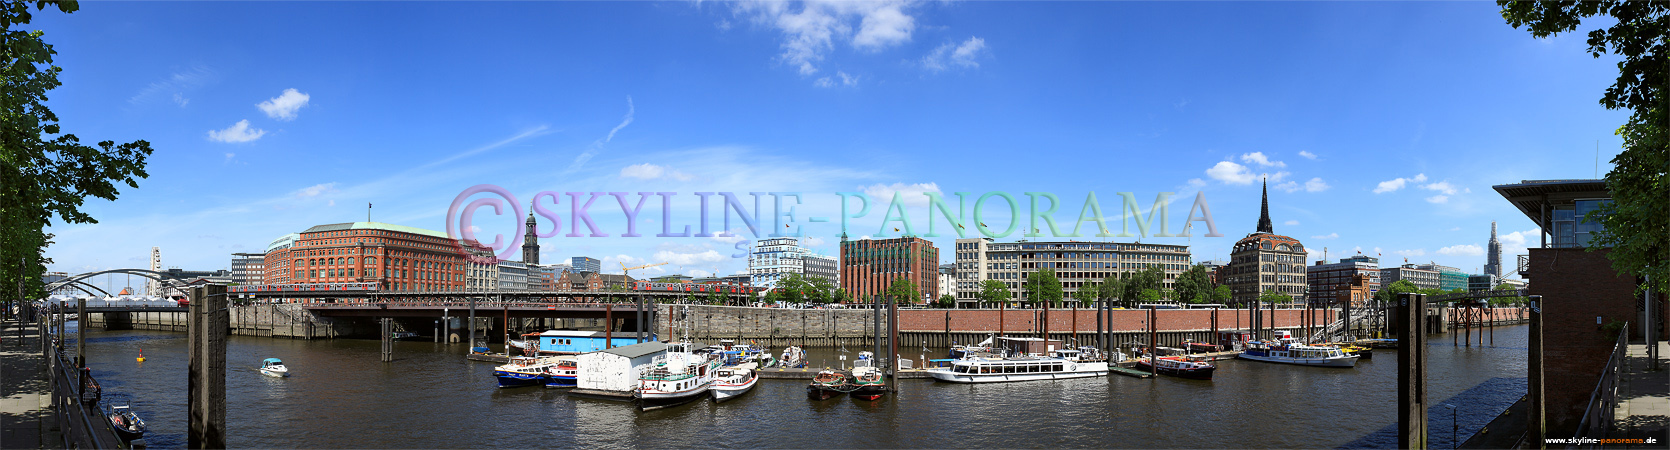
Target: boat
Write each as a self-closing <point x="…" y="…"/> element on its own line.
<point x="1288" y="350"/>
<point x="1201" y="347"/>
<point x="676" y="377"/>
<point x="563" y="374"/>
<point x="1179" y="366"/>
<point x="827" y="384"/>
<point x="399" y="335"/>
<point x="272" y="367"/>
<point x="1361" y="352"/>
<point x="793" y="358"/>
<point x="1020" y="359"/>
<point x="128" y="426"/>
<point x="730" y="382"/>
<point x="867" y="382"/>
<point x="962" y="351"/>
<point x="524" y="371"/>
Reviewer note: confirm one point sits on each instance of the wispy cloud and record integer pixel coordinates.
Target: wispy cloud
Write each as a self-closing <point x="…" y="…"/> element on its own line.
<point x="1231" y="173"/>
<point x="810" y="30"/>
<point x="1261" y="160"/>
<point x="237" y="133"/>
<point x="1307" y="155"/>
<point x="647" y="171"/>
<point x="1395" y="184"/>
<point x="1290" y="222"/>
<point x="175" y="86"/>
<point x="591" y="152"/>
<point x="910" y="194"/>
<point x="525" y="134"/>
<point x="1327" y="236"/>
<point x="1462" y="250"/>
<point x="952" y="55"/>
<point x="829" y="82"/>
<point x="284" y="106"/>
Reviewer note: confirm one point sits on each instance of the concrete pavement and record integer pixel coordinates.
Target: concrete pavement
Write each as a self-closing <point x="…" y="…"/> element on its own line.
<point x="26" y="420"/>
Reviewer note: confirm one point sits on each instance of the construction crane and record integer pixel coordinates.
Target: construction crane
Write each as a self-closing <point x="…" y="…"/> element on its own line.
<point x="628" y="270"/>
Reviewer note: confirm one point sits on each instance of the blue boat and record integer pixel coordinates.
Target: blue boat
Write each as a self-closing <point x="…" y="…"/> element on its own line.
<point x="565" y="374"/>
<point x="523" y="371"/>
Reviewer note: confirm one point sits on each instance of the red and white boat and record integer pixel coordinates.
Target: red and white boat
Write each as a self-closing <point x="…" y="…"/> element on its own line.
<point x="1179" y="366"/>
<point x="730" y="382"/>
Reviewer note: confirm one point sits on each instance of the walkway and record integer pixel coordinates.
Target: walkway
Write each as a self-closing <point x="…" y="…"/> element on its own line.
<point x="1644" y="397"/>
<point x="25" y="397"/>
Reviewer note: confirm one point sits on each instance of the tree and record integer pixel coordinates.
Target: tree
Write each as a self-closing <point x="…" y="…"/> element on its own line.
<point x="1043" y="287"/>
<point x="1087" y="294"/>
<point x="903" y="291"/>
<point x="1149" y="295"/>
<point x="717" y="298"/>
<point x="1635" y="226"/>
<point x="820" y="289"/>
<point x="792" y="288"/>
<point x="841" y="296"/>
<point x="1148" y="278"/>
<point x="1111" y="288"/>
<point x="1388" y="294"/>
<point x="1506" y="300"/>
<point x="993" y="291"/>
<point x="1194" y="285"/>
<point x="44" y="173"/>
<point x="947" y="301"/>
<point x="1273" y="297"/>
<point x="774" y="296"/>
<point x="1222" y="294"/>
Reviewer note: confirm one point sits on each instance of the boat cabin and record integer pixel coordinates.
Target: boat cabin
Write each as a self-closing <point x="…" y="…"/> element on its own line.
<point x="1027" y="345"/>
<point x="270" y="362"/>
<point x="574" y="342"/>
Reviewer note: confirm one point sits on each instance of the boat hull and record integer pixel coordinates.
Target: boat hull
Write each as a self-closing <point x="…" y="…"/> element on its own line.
<point x="1346" y="362"/>
<point x="656" y="400"/>
<point x="562" y="381"/>
<point x="275" y="373"/>
<point x="869" y="391"/>
<point x="1192" y="374"/>
<point x="518" y="379"/>
<point x="1084" y="371"/>
<point x="819" y="392"/>
<point x="722" y="392"/>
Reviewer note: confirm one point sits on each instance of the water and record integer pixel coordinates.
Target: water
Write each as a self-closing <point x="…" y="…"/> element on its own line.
<point x="340" y="395"/>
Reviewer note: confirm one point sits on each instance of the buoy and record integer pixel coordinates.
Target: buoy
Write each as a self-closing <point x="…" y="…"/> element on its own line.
<point x="141" y="357"/>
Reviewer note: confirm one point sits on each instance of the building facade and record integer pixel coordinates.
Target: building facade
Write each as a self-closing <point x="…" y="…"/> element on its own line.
<point x="481" y="271"/>
<point x="774" y="258"/>
<point x="397" y="257"/>
<point x="1421" y="278"/>
<point x="1332" y="283"/>
<point x="947" y="281"/>
<point x="1449" y="278"/>
<point x="869" y="266"/>
<point x="1076" y="264"/>
<point x="1266" y="262"/>
<point x="247" y="268"/>
<point x="584" y="264"/>
<point x="513" y="276"/>
<point x="276" y="265"/>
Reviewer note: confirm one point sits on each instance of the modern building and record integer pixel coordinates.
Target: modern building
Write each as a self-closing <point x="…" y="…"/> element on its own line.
<point x="869" y="266"/>
<point x="247" y="268"/>
<point x="1076" y="264"/>
<point x="513" y="276"/>
<point x="947" y="280"/>
<point x="1267" y="262"/>
<point x="481" y="269"/>
<point x="1332" y="283"/>
<point x="397" y="257"/>
<point x="1483" y="282"/>
<point x="1421" y="278"/>
<point x="583" y="264"/>
<point x="1493" y="254"/>
<point x="1449" y="278"/>
<point x="774" y="258"/>
<point x="277" y="267"/>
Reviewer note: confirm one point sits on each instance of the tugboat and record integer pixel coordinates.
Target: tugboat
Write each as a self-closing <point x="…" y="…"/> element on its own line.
<point x="128" y="425"/>
<point x="867" y="381"/>
<point x="564" y="374"/>
<point x="1180" y="367"/>
<point x="826" y="385"/>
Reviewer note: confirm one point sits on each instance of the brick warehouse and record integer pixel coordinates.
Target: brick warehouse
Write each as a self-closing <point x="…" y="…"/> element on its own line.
<point x="395" y="256"/>
<point x="869" y="266"/>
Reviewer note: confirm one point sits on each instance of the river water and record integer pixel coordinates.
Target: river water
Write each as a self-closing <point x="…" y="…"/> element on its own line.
<point x="340" y="395"/>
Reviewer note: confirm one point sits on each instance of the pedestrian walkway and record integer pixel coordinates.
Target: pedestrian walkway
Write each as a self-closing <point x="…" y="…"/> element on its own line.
<point x="26" y="420"/>
<point x="1644" y="397"/>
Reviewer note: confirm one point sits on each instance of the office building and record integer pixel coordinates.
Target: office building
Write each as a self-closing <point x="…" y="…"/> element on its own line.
<point x="247" y="268"/>
<point x="583" y="264"/>
<point x="396" y="257"/>
<point x="1449" y="278"/>
<point x="1076" y="264"/>
<point x="1332" y="283"/>
<point x="481" y="268"/>
<point x="1266" y="262"/>
<point x="947" y="280"/>
<point x="774" y="258"/>
<point x="513" y="276"/>
<point x="1421" y="278"/>
<point x="869" y="266"/>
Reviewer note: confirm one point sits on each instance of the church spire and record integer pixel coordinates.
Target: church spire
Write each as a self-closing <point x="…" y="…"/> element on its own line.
<point x="530" y="240"/>
<point x="1264" y="211"/>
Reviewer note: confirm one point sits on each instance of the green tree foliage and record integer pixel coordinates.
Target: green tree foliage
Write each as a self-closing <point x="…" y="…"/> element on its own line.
<point x="1273" y="297"/>
<point x="1506" y="300"/>
<point x="44" y="172"/>
<point x="820" y="289"/>
<point x="903" y="291"/>
<point x="1222" y="294"/>
<point x="1043" y="287"/>
<point x="1636" y="226"/>
<point x="1194" y="285"/>
<point x="1388" y="293"/>
<point x="793" y="288"/>
<point x="993" y="291"/>
<point x="1110" y="288"/>
<point x="1149" y="295"/>
<point x="717" y="298"/>
<point x="1145" y="279"/>
<point x="947" y="301"/>
<point x="1087" y="294"/>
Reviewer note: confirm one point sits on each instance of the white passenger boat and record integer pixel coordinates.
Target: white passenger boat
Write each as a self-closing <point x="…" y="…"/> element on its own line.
<point x="793" y="357"/>
<point x="1021" y="359"/>
<point x="676" y="377"/>
<point x="1288" y="350"/>
<point x="730" y="382"/>
<point x="272" y="367"/>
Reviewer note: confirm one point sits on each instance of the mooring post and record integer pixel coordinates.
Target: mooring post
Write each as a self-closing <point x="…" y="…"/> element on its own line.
<point x="1536" y="426"/>
<point x="1002" y="307"/>
<point x="80" y="333"/>
<point x="1411" y="371"/>
<point x="609" y="325"/>
<point x="206" y="378"/>
<point x="472" y="325"/>
<point x="638" y="318"/>
<point x="388" y="340"/>
<point x="893" y="346"/>
<point x="1153" y="341"/>
<point x="1215" y="339"/>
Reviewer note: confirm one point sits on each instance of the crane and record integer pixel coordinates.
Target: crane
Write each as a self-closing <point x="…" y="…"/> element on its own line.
<point x="628" y="270"/>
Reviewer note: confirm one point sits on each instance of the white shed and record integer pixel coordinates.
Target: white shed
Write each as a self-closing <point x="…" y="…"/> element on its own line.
<point x="616" y="370"/>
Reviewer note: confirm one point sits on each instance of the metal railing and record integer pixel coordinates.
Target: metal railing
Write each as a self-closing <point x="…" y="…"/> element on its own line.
<point x="1524" y="265"/>
<point x="1597" y="417"/>
<point x="76" y="396"/>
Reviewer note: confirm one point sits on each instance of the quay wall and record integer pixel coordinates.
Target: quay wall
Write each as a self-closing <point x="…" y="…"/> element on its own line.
<point x="268" y="319"/>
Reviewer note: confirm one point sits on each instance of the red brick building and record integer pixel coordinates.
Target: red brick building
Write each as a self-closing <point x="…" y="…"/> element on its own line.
<point x="276" y="265"/>
<point x="396" y="257"/>
<point x="869" y="266"/>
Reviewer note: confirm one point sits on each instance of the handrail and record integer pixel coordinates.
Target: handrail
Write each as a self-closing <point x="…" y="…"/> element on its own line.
<point x="1594" y="425"/>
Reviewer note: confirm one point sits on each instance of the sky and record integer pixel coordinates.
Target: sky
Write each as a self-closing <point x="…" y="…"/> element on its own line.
<point x="1381" y="126"/>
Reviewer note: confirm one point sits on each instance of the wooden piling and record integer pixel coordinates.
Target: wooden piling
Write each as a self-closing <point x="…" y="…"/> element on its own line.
<point x="206" y="376"/>
<point x="1411" y="371"/>
<point x="1153" y="338"/>
<point x="1536" y="426"/>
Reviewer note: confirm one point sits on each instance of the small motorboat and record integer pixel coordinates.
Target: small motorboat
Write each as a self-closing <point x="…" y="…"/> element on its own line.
<point x="128" y="426"/>
<point x="523" y="371"/>
<point x="565" y="374"/>
<point x="1179" y="366"/>
<point x="827" y="384"/>
<point x="867" y="381"/>
<point x="730" y="382"/>
<point x="272" y="367"/>
<point x="793" y="358"/>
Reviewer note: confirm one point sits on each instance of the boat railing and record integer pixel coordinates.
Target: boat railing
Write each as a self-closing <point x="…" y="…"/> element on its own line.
<point x="1597" y="417"/>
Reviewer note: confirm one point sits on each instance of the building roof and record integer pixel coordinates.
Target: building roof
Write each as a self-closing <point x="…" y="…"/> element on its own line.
<point x="282" y="241"/>
<point x="1529" y="195"/>
<point x="375" y="226"/>
<point x="638" y="350"/>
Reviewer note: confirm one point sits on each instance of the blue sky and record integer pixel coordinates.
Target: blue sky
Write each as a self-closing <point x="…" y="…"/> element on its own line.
<point x="404" y="105"/>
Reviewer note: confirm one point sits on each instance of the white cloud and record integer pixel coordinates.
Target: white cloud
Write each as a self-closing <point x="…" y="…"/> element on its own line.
<point x="911" y="194"/>
<point x="829" y="82"/>
<point x="1455" y="229"/>
<point x="1231" y="173"/>
<point x="1438" y="199"/>
<point x="315" y="190"/>
<point x="883" y="27"/>
<point x="1290" y="222"/>
<point x="1261" y="160"/>
<point x="284" y="106"/>
<point x="1410" y="253"/>
<point x="689" y="258"/>
<point x="699" y="273"/>
<point x="229" y="156"/>
<point x="952" y="55"/>
<point x="238" y="132"/>
<point x="811" y="31"/>
<point x="1196" y="183"/>
<point x="176" y="85"/>
<point x="812" y="241"/>
<point x="824" y="82"/>
<point x="1327" y="236"/>
<point x="1442" y="186"/>
<point x="1462" y="250"/>
<point x="1397" y="183"/>
<point x="1316" y="185"/>
<point x="1307" y="155"/>
<point x="1313" y="253"/>
<point x="1290" y="187"/>
<point x="647" y="171"/>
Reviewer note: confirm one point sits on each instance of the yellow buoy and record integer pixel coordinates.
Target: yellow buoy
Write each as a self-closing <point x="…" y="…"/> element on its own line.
<point x="140" y="359"/>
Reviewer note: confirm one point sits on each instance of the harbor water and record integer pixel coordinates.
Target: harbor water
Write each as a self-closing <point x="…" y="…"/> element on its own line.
<point x="340" y="395"/>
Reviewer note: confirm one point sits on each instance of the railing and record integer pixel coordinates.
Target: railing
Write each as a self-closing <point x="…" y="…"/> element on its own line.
<point x="1597" y="417"/>
<point x="76" y="397"/>
<point x="1524" y="265"/>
